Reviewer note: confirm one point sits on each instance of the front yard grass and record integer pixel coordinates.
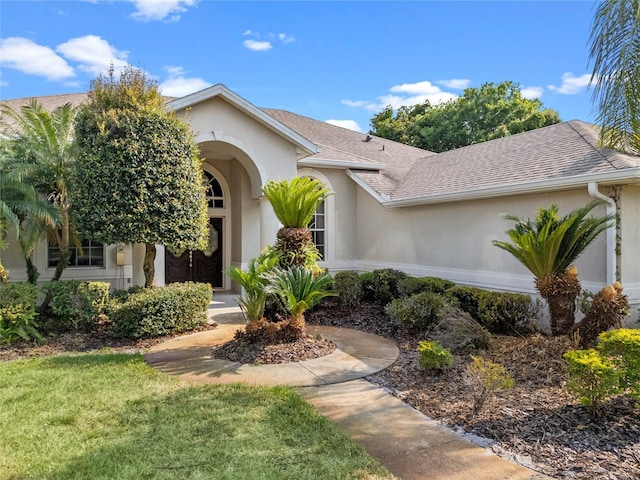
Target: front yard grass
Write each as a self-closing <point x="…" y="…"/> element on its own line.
<point x="99" y="416"/>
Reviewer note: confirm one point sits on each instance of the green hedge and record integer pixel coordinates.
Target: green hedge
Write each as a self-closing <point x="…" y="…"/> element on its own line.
<point x="18" y="312"/>
<point x="157" y="311"/>
<point x="499" y="312"/>
<point x="384" y="283"/>
<point x="412" y="285"/>
<point x="420" y="312"/>
<point x="348" y="287"/>
<point x="75" y="304"/>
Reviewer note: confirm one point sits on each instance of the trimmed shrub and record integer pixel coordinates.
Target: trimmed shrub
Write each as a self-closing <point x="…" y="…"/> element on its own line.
<point x="385" y="284"/>
<point x="157" y="311"/>
<point x="76" y="304"/>
<point x="18" y="312"/>
<point x="366" y="280"/>
<point x="420" y="312"/>
<point x="484" y="378"/>
<point x="460" y="332"/>
<point x="348" y="286"/>
<point x="622" y="346"/>
<point x="499" y="312"/>
<point x="434" y="356"/>
<point x="412" y="285"/>
<point x="593" y="378"/>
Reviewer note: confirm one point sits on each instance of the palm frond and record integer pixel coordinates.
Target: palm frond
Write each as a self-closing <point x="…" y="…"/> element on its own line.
<point x="295" y="201"/>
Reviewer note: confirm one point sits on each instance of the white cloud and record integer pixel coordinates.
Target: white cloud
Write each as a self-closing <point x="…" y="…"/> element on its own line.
<point x="179" y="86"/>
<point x="166" y="10"/>
<point x="28" y="57"/>
<point x="350" y="124"/>
<point x="284" y="38"/>
<point x="405" y="94"/>
<point x="257" y="46"/>
<point x="531" y="92"/>
<point x="571" y="84"/>
<point x="456" y="83"/>
<point x="93" y="54"/>
<point x="248" y="32"/>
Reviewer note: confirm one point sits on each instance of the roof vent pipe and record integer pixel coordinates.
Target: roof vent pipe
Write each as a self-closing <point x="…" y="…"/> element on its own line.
<point x="611" y="231"/>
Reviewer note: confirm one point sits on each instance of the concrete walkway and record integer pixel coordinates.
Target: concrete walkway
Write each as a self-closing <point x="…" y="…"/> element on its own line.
<point x="407" y="443"/>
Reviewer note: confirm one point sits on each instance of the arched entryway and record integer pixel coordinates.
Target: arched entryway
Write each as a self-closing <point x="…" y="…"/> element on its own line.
<point x="205" y="265"/>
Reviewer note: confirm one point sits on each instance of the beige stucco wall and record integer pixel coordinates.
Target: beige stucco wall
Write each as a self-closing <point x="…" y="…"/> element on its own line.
<point x="453" y="240"/>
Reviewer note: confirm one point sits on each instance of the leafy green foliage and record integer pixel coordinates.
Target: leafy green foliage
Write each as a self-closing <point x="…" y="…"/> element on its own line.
<point x="18" y="312"/>
<point x="366" y="280"/>
<point x="295" y="201"/>
<point x="419" y="312"/>
<point x="412" y="285"/>
<point x="434" y="356"/>
<point x="622" y="347"/>
<point x="499" y="312"/>
<point x="138" y="178"/>
<point x="348" y="287"/>
<point x="152" y="312"/>
<point x="593" y="378"/>
<point x="549" y="244"/>
<point x="254" y="282"/>
<point x="76" y="304"/>
<point x="460" y="332"/>
<point x="385" y="284"/>
<point x="298" y="289"/>
<point x="614" y="52"/>
<point x="480" y="114"/>
<point x="484" y="379"/>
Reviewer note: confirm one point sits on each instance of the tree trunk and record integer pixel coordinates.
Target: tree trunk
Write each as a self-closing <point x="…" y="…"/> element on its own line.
<point x="63" y="261"/>
<point x="560" y="293"/>
<point x="32" y="271"/>
<point x="297" y="324"/>
<point x="148" y="266"/>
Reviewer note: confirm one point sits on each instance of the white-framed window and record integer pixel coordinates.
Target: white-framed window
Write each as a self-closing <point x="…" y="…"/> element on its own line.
<point x="318" y="227"/>
<point x="88" y="254"/>
<point x="214" y="192"/>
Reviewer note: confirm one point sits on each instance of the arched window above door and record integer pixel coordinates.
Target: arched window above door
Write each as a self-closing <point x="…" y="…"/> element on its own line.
<point x="213" y="192"/>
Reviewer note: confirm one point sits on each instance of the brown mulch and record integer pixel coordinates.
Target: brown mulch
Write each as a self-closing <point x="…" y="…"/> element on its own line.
<point x="307" y="348"/>
<point x="537" y="424"/>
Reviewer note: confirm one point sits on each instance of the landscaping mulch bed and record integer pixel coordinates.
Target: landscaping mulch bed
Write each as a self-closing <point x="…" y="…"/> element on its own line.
<point x="239" y="350"/>
<point x="537" y="424"/>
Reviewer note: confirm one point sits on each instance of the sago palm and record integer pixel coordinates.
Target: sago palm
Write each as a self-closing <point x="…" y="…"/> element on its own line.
<point x="299" y="290"/>
<point x="615" y="54"/>
<point x="294" y="202"/>
<point x="547" y="246"/>
<point x="43" y="141"/>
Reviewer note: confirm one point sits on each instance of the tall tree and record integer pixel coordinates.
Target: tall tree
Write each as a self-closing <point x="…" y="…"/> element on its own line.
<point x="138" y="177"/>
<point x="480" y="114"/>
<point x="41" y="143"/>
<point x="615" y="54"/>
<point x="547" y="246"/>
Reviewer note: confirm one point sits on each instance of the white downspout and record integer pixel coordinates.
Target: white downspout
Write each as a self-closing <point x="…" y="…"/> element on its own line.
<point x="611" y="231"/>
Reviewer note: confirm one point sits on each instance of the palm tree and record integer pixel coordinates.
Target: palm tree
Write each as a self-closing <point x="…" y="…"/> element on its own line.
<point x="615" y="53"/>
<point x="299" y="290"/>
<point x="42" y="142"/>
<point x="294" y="203"/>
<point x="22" y="210"/>
<point x="548" y="246"/>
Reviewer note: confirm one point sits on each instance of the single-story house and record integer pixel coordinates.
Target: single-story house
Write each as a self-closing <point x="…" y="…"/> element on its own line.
<point x="394" y="206"/>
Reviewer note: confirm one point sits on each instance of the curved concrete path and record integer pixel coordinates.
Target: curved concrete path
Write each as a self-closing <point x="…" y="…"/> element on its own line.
<point x="409" y="444"/>
<point x="357" y="355"/>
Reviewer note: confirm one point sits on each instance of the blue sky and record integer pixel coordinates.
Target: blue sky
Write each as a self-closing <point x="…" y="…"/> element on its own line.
<point x="334" y="61"/>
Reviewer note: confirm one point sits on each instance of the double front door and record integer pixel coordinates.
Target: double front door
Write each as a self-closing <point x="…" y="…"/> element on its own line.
<point x="198" y="265"/>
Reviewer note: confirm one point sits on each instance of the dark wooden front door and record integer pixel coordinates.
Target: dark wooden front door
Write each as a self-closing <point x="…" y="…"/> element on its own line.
<point x="198" y="265"/>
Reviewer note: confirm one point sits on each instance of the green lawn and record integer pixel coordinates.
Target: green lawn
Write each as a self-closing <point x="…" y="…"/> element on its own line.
<point x="112" y="416"/>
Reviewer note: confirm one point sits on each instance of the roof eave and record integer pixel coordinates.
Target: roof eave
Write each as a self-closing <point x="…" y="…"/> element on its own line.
<point x="380" y="197"/>
<point x="340" y="164"/>
<point x="518" y="189"/>
<point x="305" y="147"/>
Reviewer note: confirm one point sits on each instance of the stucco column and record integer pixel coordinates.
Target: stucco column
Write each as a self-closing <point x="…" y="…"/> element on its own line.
<point x="269" y="224"/>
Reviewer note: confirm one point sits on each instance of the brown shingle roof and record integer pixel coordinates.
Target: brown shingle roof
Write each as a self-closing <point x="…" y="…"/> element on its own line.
<point x="553" y="152"/>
